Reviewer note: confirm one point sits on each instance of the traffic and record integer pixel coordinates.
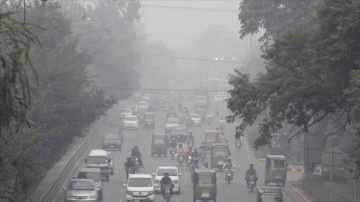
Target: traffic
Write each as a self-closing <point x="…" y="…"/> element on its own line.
<point x="175" y="147"/>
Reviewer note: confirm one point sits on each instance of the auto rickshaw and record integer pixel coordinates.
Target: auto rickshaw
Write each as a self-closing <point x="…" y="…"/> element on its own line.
<point x="149" y="120"/>
<point x="275" y="169"/>
<point x="204" y="185"/>
<point x="219" y="154"/>
<point x="272" y="194"/>
<point x="159" y="144"/>
<point x="211" y="136"/>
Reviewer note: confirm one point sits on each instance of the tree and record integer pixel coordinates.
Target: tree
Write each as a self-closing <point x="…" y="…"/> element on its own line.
<point x="311" y="74"/>
<point x="272" y="15"/>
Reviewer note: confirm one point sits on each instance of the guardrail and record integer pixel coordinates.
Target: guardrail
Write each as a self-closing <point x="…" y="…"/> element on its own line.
<point x="94" y="135"/>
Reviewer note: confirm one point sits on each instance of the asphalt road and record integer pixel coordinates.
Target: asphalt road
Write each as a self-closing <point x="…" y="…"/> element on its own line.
<point x="234" y="192"/>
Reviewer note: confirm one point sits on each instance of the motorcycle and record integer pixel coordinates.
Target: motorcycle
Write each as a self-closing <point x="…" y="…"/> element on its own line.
<point x="251" y="183"/>
<point x="202" y="156"/>
<point x="129" y="170"/>
<point x="229" y="175"/>
<point x="181" y="159"/>
<point x="167" y="194"/>
<point x="136" y="163"/>
<point x="172" y="153"/>
<point x="238" y="145"/>
<point x="188" y="161"/>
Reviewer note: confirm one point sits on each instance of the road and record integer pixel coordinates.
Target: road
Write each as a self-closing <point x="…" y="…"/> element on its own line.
<point x="234" y="192"/>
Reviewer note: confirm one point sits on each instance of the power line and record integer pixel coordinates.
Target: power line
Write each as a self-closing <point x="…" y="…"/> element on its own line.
<point x="191" y="8"/>
<point x="189" y="58"/>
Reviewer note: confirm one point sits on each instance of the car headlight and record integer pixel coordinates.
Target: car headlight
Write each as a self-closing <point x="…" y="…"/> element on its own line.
<point x="68" y="195"/>
<point x="92" y="196"/>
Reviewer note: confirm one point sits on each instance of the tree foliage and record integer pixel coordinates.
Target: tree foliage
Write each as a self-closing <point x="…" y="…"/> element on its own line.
<point x="311" y="74"/>
<point x="272" y="15"/>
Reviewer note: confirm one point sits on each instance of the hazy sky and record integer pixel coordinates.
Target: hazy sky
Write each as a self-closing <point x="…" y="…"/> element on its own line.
<point x="176" y="26"/>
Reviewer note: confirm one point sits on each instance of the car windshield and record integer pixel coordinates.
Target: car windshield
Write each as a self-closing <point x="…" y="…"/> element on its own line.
<point x="97" y="160"/>
<point x="194" y="116"/>
<point x="211" y="136"/>
<point x="81" y="185"/>
<point x="112" y="137"/>
<point x="171" y="171"/>
<point x="279" y="163"/>
<point x="220" y="151"/>
<point x="173" y="121"/>
<point x="131" y="118"/>
<point x="90" y="175"/>
<point x="140" y="182"/>
<point x="205" y="179"/>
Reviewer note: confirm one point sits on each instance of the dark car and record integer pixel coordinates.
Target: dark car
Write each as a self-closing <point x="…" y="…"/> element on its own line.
<point x="112" y="141"/>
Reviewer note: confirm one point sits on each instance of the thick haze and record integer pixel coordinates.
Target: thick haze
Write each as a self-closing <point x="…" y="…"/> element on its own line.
<point x="176" y="26"/>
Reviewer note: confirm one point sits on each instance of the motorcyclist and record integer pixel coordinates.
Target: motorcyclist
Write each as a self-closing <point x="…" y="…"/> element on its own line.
<point x="195" y="154"/>
<point x="251" y="172"/>
<point x="229" y="165"/>
<point x="166" y="180"/>
<point x="188" y="152"/>
<point x="206" y="165"/>
<point x="129" y="164"/>
<point x="223" y="138"/>
<point x="238" y="135"/>
<point x="180" y="148"/>
<point x="135" y="152"/>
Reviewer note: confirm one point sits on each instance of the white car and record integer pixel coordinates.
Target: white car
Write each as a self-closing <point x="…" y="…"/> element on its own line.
<point x="131" y="122"/>
<point x="195" y="119"/>
<point x="143" y="106"/>
<point x="126" y="112"/>
<point x="173" y="174"/>
<point x="140" y="187"/>
<point x="171" y="123"/>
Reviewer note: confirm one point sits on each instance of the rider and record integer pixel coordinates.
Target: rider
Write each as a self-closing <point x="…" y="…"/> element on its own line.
<point x="238" y="134"/>
<point x="222" y="138"/>
<point x="129" y="164"/>
<point x="195" y="164"/>
<point x="166" y="180"/>
<point x="188" y="152"/>
<point x="195" y="154"/>
<point x="229" y="165"/>
<point x="251" y="172"/>
<point x="135" y="152"/>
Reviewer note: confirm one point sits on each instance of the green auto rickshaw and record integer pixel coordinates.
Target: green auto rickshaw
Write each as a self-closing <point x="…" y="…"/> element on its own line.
<point x="149" y="120"/>
<point x="275" y="169"/>
<point x="219" y="154"/>
<point x="211" y="136"/>
<point x="159" y="144"/>
<point x="272" y="194"/>
<point x="204" y="185"/>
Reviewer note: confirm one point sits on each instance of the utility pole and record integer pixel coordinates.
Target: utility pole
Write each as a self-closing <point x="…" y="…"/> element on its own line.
<point x="331" y="175"/>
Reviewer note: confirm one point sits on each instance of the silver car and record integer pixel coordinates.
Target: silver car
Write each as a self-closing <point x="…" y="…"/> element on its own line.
<point x="93" y="174"/>
<point x="81" y="190"/>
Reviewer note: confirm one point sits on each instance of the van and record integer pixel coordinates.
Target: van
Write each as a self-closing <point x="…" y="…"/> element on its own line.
<point x="99" y="158"/>
<point x="92" y="174"/>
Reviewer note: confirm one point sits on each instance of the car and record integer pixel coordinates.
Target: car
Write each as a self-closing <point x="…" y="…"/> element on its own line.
<point x="171" y="123"/>
<point x="195" y="119"/>
<point x="80" y="190"/>
<point x="112" y="141"/>
<point x="99" y="158"/>
<point x="131" y="122"/>
<point x="92" y="174"/>
<point x="126" y="112"/>
<point x="140" y="187"/>
<point x="173" y="174"/>
<point x="143" y="106"/>
<point x="111" y="162"/>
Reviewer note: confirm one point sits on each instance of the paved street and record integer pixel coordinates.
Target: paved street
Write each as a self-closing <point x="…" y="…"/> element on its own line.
<point x="234" y="192"/>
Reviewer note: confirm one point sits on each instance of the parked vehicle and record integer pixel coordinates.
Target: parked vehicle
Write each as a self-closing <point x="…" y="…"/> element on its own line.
<point x="275" y="169"/>
<point x="81" y="190"/>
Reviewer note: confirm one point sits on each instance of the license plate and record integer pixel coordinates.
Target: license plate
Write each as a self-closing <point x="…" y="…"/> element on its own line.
<point x="278" y="177"/>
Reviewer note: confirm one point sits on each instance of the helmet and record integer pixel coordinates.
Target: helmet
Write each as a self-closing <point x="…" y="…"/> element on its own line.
<point x="180" y="145"/>
<point x="136" y="147"/>
<point x="166" y="174"/>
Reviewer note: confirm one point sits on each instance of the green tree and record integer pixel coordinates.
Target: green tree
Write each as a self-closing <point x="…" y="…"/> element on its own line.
<point x="311" y="74"/>
<point x="272" y="15"/>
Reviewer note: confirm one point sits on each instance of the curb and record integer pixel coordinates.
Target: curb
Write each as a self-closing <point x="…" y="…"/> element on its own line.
<point x="299" y="193"/>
